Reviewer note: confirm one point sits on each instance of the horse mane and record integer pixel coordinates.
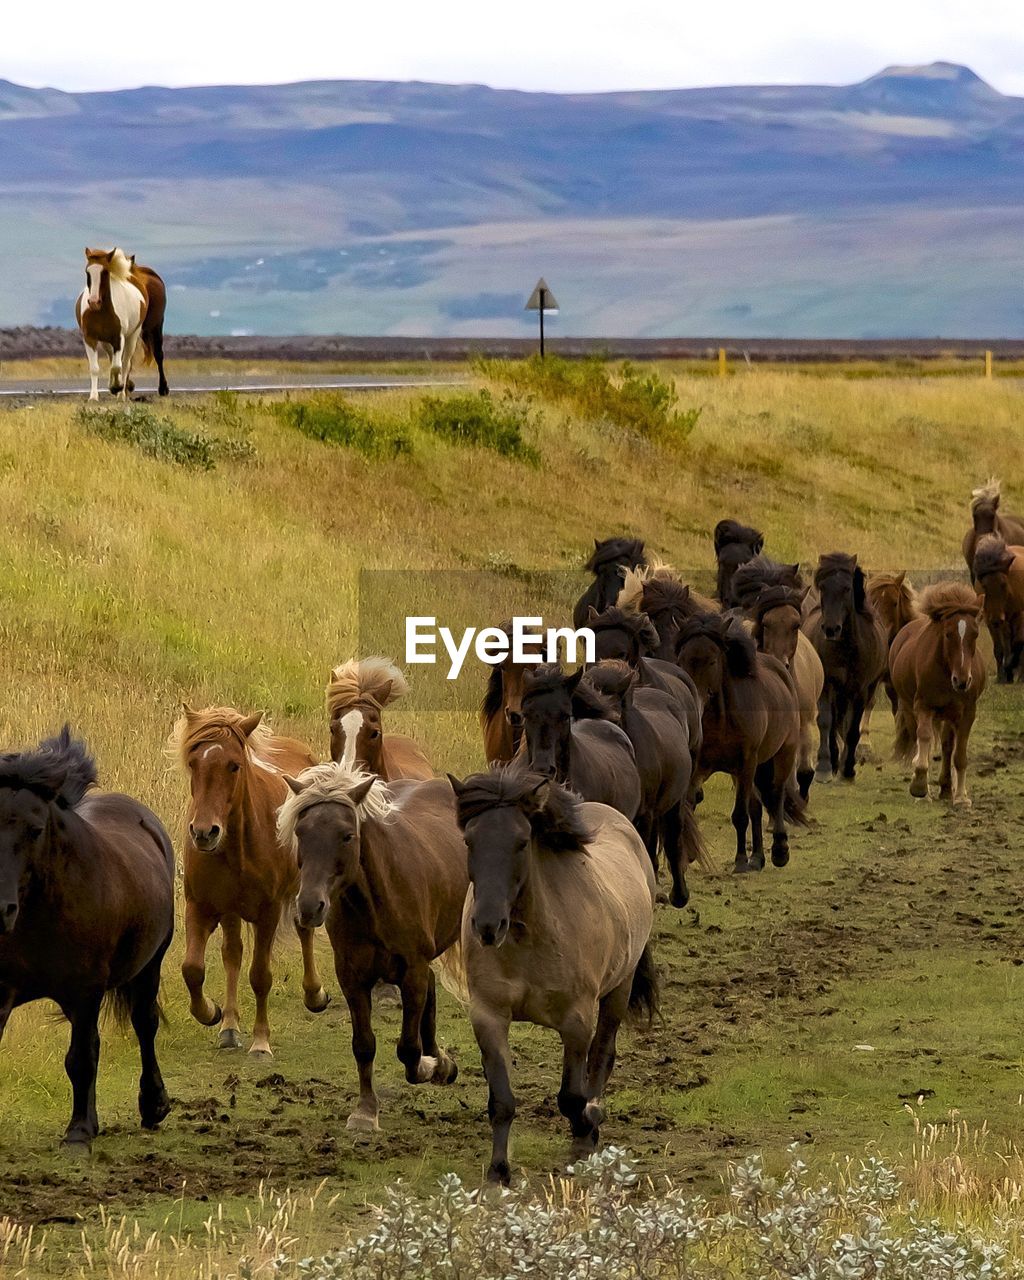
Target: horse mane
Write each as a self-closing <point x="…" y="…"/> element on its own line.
<point x="760" y="573"/>
<point x="588" y="703"/>
<point x="944" y="600"/>
<point x="115" y="260"/>
<point x="991" y="555"/>
<point x="985" y="498"/>
<point x="333" y="782"/>
<point x="775" y="597"/>
<point x="363" y="679"/>
<point x="731" y="637"/>
<point x="731" y="531"/>
<point x="639" y="624"/>
<point x="219" y="722"/>
<point x="629" y="551"/>
<point x="59" y="770"/>
<point x="657" y="589"/>
<point x="834" y="562"/>
<point x="907" y="605"/>
<point x="556" y="822"/>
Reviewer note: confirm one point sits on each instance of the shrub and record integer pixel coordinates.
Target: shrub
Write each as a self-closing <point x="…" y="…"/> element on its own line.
<point x="477" y="418"/>
<point x="158" y="437"/>
<point x="335" y="420"/>
<point x="637" y="400"/>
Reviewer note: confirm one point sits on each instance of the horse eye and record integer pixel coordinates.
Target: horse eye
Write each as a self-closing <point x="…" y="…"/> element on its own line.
<point x="347" y="838"/>
<point x="374" y="735"/>
<point x="234" y="766"/>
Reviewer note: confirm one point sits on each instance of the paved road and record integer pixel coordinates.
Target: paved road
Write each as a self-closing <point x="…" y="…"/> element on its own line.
<point x="200" y="384"/>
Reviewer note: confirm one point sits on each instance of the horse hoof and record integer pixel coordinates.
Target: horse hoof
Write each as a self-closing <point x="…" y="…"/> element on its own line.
<point x="423" y="1071"/>
<point x="165" y="390"/>
<point x="500" y="1173"/>
<point x="780" y="857"/>
<point x="822" y="778"/>
<point x="661" y="897"/>
<point x="446" y="1072"/>
<point x="963" y="802"/>
<point x="679" y="898"/>
<point x="360" y="1122"/>
<point x="261" y="1055"/>
<point x="229" y="1039"/>
<point x="152" y="1113"/>
<point x="76" y="1144"/>
<point x="919" y="789"/>
<point x="848" y="778"/>
<point x="318" y="1001"/>
<point x="386" y="993"/>
<point x="741" y="868"/>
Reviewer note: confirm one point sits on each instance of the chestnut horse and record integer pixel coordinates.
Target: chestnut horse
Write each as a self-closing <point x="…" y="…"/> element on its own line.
<point x="608" y="563"/>
<point x="111" y="313"/>
<point x="235" y="869"/>
<point x="751" y="729"/>
<point x="999" y="576"/>
<point x="894" y="600"/>
<point x="501" y="703"/>
<point x="556" y="931"/>
<point x="359" y="691"/>
<point x="735" y="544"/>
<point x="86" y="913"/>
<point x="385" y="868"/>
<point x="987" y="518"/>
<point x="850" y="641"/>
<point x="938" y="674"/>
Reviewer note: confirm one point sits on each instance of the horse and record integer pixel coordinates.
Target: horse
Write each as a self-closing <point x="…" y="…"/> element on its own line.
<point x="111" y="313"/>
<point x="667" y="602"/>
<point x="556" y="932"/>
<point x="608" y="562"/>
<point x="987" y="518"/>
<point x="568" y="736"/>
<point x="502" y="698"/>
<point x="938" y="674"/>
<point x="153" y="289"/>
<point x="235" y="869"/>
<point x="751" y="729"/>
<point x="384" y="866"/>
<point x="894" y="600"/>
<point x="735" y="544"/>
<point x="851" y="643"/>
<point x="86" y="913"/>
<point x="357" y="694"/>
<point x="998" y="573"/>
<point x="659" y="733"/>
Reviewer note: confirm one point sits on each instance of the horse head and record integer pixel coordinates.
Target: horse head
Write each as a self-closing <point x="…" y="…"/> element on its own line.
<point x="216" y="753"/>
<point x="839" y="580"/>
<point x="546" y="718"/>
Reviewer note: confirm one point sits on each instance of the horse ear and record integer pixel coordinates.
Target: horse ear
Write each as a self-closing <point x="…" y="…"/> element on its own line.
<point x="384" y="693"/>
<point x="458" y="787"/>
<point x="592" y="614"/>
<point x="249" y="724"/>
<point x="191" y="714"/>
<point x="758" y="544"/>
<point x="570" y="682"/>
<point x="359" y="792"/>
<point x="294" y="785"/>
<point x="900" y="577"/>
<point x="535" y="800"/>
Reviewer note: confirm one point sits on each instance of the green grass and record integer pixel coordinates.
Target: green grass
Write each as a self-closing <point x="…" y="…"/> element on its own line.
<point x="128" y="583"/>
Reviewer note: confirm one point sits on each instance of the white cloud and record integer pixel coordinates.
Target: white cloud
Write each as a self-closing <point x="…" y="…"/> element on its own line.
<point x="532" y="44"/>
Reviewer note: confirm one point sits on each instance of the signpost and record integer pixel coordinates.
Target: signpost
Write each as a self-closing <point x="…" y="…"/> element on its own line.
<point x="542" y="300"/>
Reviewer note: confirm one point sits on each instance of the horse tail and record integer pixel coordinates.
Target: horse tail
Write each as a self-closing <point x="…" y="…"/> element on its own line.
<point x="147" y="350"/>
<point x="450" y="967"/>
<point x="645" y="992"/>
<point x="118" y="1004"/>
<point x="796" y="806"/>
<point x="906" y="735"/>
<point x="693" y="840"/>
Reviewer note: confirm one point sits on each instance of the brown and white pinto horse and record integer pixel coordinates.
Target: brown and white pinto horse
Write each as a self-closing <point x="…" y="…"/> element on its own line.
<point x="938" y="674"/>
<point x="235" y="869"/>
<point x="122" y="305"/>
<point x="359" y="691"/>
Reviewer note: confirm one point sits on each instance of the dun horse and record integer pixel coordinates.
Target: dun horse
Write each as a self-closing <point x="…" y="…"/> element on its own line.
<point x="556" y="932"/>
<point x="851" y="644"/>
<point x="999" y="576"/>
<point x="608" y="564"/>
<point x="938" y="674"/>
<point x="356" y="697"/>
<point x="86" y="913"/>
<point x="235" y="869"/>
<point x="751" y="729"/>
<point x="987" y="518"/>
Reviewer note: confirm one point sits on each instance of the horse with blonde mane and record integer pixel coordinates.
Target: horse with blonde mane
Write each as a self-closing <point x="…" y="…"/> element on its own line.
<point x="657" y="591"/>
<point x="938" y="674"/>
<point x="894" y="600"/>
<point x="235" y="869"/>
<point x="121" y="307"/>
<point x="358" y="692"/>
<point x="987" y="518"/>
<point x="384" y="867"/>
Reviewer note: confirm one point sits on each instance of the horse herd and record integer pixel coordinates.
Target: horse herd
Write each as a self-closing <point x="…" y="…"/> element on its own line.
<point x="530" y="887"/>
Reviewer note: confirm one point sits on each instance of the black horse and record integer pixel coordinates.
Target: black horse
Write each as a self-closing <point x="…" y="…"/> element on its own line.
<point x="608" y="563"/>
<point x="735" y="544"/>
<point x="86" y="913"/>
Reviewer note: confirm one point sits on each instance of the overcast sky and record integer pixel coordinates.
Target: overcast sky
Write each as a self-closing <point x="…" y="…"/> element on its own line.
<point x="528" y="44"/>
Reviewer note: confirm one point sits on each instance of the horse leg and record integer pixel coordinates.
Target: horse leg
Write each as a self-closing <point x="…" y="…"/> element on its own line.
<point x="261" y="978"/>
<point x="741" y="813"/>
<point x="756" y="828"/>
<point x="130" y="344"/>
<point x="919" y="785"/>
<point x="446" y="1072"/>
<point x="647" y="830"/>
<point x="93" y="356"/>
<point x="774" y="794"/>
<point x="417" y="986"/>
<point x="838" y="728"/>
<point x="115" y="367"/>
<point x="364" y="1050"/>
<point x="823" y="772"/>
<point x="805" y="765"/>
<point x="198" y="927"/>
<point x="491" y="1031"/>
<point x="963" y="733"/>
<point x="864" y="752"/>
<point x="143" y="992"/>
<point x="81" y="1064"/>
<point x="314" y="997"/>
<point x="578" y="1035"/>
<point x="856" y="713"/>
<point x="672" y="830"/>
<point x="156" y="343"/>
<point x="947" y="735"/>
<point x="601" y="1057"/>
<point x="231" y="954"/>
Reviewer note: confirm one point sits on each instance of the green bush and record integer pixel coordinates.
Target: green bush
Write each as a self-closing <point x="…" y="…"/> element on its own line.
<point x="158" y="437"/>
<point x="477" y="418"/>
<point x="334" y="420"/>
<point x="635" y="399"/>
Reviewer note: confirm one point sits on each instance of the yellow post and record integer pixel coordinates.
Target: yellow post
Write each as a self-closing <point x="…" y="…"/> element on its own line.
<point x="721" y="362"/>
<point x="988" y="364"/>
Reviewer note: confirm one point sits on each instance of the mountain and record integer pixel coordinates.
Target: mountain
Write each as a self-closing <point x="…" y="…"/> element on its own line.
<point x="889" y="207"/>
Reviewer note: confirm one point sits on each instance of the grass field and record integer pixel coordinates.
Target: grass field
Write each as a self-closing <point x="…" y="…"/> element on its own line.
<point x="869" y="989"/>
